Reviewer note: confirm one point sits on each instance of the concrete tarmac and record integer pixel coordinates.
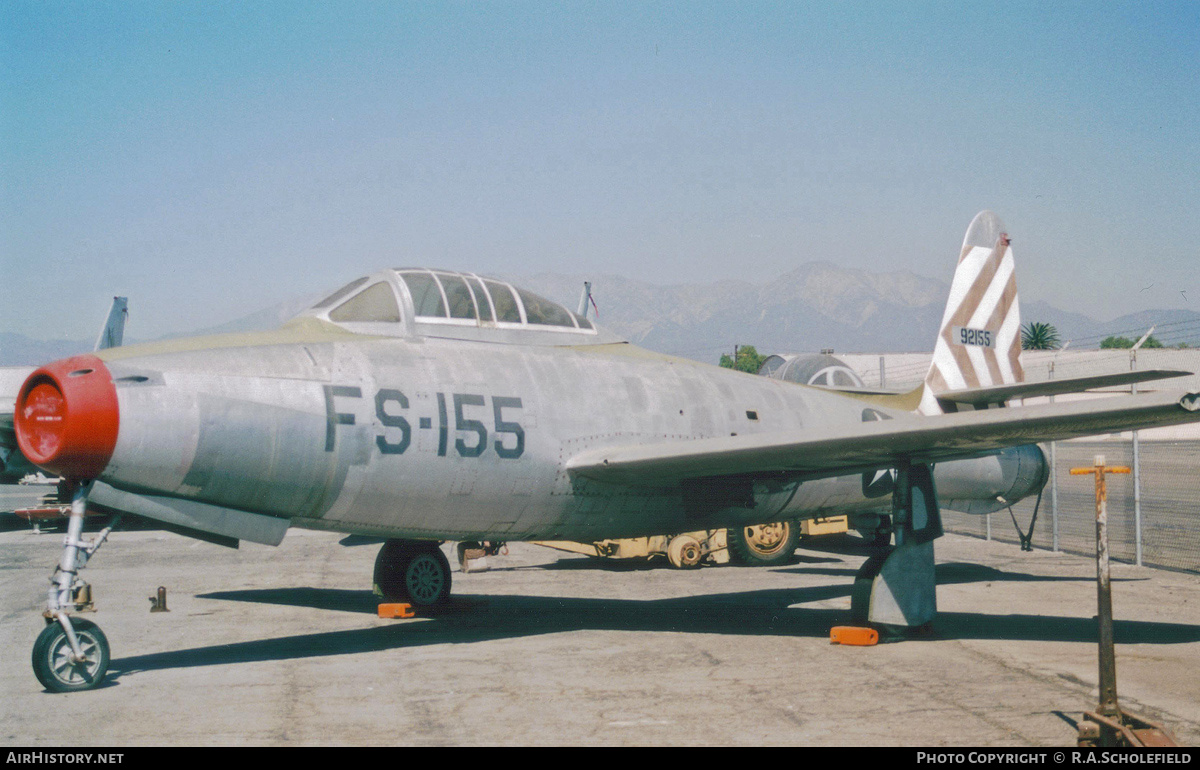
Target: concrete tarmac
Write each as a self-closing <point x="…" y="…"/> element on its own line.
<point x="282" y="646"/>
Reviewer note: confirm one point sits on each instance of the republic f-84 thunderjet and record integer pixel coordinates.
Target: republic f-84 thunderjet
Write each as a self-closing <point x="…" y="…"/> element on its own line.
<point x="420" y="406"/>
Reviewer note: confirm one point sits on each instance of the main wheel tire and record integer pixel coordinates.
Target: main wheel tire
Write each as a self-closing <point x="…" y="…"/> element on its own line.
<point x="415" y="572"/>
<point x="427" y="578"/>
<point x="52" y="654"/>
<point x="764" y="545"/>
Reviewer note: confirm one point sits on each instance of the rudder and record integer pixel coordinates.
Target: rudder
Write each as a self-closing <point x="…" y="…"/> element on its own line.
<point x="979" y="343"/>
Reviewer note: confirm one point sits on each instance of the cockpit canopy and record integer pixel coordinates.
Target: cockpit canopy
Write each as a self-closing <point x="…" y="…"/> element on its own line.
<point x="811" y="369"/>
<point x="444" y="303"/>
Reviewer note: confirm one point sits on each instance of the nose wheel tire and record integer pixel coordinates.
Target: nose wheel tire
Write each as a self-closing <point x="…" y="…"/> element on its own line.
<point x="55" y="664"/>
<point x="415" y="572"/>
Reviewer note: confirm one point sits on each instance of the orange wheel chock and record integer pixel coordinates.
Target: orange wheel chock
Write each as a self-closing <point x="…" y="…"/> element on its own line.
<point x="402" y="610"/>
<point x="860" y="637"/>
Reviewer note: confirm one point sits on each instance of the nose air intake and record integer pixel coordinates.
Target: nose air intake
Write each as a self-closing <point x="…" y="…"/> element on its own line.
<point x="67" y="418"/>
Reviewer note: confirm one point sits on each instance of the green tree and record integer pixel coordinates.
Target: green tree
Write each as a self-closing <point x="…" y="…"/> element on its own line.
<point x="748" y="359"/>
<point x="1039" y="336"/>
<point x="1124" y="343"/>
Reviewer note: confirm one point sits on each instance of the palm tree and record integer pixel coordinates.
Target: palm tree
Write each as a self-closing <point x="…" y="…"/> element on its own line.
<point x="1039" y="336"/>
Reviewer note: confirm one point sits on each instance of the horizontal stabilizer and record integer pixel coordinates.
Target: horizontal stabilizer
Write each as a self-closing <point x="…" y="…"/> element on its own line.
<point x="880" y="444"/>
<point x="849" y="391"/>
<point x="998" y="394"/>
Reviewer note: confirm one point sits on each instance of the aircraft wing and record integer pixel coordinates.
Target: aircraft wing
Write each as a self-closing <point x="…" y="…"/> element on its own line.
<point x="882" y="443"/>
<point x="13" y="464"/>
<point x="8" y="438"/>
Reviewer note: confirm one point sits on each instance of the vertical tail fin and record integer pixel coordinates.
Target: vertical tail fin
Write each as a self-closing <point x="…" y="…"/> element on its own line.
<point x="113" y="333"/>
<point x="979" y="343"/>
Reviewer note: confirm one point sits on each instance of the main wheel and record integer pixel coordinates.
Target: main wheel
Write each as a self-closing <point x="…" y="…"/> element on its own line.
<point x="764" y="545"/>
<point x="416" y="572"/>
<point x="684" y="552"/>
<point x="52" y="657"/>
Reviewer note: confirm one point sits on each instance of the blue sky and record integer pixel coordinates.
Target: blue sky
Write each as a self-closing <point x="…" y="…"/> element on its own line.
<point x="211" y="159"/>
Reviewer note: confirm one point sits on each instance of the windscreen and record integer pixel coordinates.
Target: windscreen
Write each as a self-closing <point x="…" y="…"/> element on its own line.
<point x="375" y="305"/>
<point x="339" y="294"/>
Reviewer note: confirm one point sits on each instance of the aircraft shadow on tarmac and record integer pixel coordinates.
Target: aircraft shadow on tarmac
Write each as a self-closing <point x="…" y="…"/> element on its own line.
<point x="592" y="563"/>
<point x="951" y="573"/>
<point x="10" y="522"/>
<point x="948" y="573"/>
<point x="477" y="619"/>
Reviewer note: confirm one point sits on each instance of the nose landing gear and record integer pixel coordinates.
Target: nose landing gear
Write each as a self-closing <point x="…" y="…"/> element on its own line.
<point x="72" y="654"/>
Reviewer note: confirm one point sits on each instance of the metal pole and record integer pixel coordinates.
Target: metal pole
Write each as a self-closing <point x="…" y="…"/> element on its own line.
<point x="1108" y="726"/>
<point x="1054" y="492"/>
<point x="1137" y="479"/>
<point x="1137" y="463"/>
<point x="1137" y="499"/>
<point x="1108" y="659"/>
<point x="1054" y="480"/>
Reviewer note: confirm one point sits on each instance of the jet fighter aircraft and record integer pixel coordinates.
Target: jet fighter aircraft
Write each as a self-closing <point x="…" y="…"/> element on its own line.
<point x="424" y="405"/>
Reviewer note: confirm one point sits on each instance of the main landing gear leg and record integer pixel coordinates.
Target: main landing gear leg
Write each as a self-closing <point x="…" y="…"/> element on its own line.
<point x="897" y="587"/>
<point x="72" y="654"/>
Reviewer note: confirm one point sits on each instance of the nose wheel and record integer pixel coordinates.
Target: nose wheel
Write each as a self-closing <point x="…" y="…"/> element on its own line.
<point x="59" y="668"/>
<point x="72" y="654"/>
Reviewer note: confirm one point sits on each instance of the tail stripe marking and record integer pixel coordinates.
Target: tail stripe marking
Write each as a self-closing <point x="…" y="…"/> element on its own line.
<point x="997" y="305"/>
<point x="983" y="296"/>
<point x="974" y="276"/>
<point x="1007" y="355"/>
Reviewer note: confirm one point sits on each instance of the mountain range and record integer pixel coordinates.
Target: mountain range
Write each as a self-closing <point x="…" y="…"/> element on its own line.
<point x="817" y="306"/>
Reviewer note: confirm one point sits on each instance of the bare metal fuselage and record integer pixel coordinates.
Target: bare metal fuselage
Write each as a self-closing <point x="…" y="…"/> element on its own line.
<point x="453" y="439"/>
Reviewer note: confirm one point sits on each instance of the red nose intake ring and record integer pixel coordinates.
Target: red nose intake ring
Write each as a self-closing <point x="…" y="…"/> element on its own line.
<point x="67" y="418"/>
